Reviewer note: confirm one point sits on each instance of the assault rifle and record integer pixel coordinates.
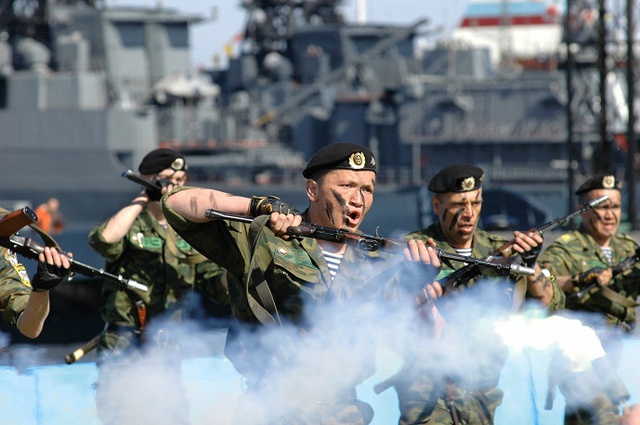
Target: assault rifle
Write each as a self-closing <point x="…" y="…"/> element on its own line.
<point x="502" y="254"/>
<point x="626" y="264"/>
<point x="365" y="242"/>
<point x="27" y="247"/>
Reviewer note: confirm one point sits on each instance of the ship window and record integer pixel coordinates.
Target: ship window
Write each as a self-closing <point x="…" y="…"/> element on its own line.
<point x="3" y="92"/>
<point x="131" y="35"/>
<point x="178" y="35"/>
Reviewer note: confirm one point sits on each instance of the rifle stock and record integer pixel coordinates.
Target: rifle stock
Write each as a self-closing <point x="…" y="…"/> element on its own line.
<point x="16" y="220"/>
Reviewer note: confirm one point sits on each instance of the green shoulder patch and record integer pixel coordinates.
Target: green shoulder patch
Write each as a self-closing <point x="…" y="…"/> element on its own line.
<point x="152" y="242"/>
<point x="296" y="256"/>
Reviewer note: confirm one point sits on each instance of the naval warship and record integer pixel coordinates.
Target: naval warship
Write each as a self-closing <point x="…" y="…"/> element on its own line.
<point x="86" y="90"/>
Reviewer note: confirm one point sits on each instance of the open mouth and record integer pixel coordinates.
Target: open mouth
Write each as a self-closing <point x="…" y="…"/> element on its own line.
<point x="354" y="217"/>
<point x="466" y="227"/>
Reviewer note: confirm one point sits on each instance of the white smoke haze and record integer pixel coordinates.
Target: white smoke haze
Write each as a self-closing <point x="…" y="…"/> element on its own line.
<point x="303" y="370"/>
<point x="577" y="342"/>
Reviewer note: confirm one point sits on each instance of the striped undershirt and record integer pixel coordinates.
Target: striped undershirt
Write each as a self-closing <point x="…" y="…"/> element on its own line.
<point x="464" y="251"/>
<point x="333" y="261"/>
<point x="607" y="252"/>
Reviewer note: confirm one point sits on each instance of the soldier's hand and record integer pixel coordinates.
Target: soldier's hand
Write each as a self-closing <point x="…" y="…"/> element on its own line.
<point x="528" y="245"/>
<point x="427" y="262"/>
<point x="280" y="223"/>
<point x="418" y="250"/>
<point x="269" y="204"/>
<point x="53" y="267"/>
<point x="630" y="415"/>
<point x="432" y="291"/>
<point x="430" y="313"/>
<point x="598" y="275"/>
<point x="164" y="186"/>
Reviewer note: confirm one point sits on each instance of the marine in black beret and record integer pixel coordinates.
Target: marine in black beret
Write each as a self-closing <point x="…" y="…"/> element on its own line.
<point x="599" y="181"/>
<point x="337" y="156"/>
<point x="457" y="178"/>
<point x="161" y="159"/>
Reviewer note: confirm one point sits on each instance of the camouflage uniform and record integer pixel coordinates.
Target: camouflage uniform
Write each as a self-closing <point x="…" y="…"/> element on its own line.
<point x="576" y="252"/>
<point x="571" y="254"/>
<point x="170" y="270"/>
<point x="15" y="287"/>
<point x="298" y="278"/>
<point x="422" y="392"/>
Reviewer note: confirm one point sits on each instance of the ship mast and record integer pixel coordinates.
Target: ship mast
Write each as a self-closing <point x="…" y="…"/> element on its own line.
<point x="271" y="23"/>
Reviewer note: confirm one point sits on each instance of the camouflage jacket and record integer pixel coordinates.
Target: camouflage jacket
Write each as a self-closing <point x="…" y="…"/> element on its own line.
<point x="576" y="252"/>
<point x="475" y="354"/>
<point x="15" y="287"/>
<point x="295" y="270"/>
<point x="170" y="270"/>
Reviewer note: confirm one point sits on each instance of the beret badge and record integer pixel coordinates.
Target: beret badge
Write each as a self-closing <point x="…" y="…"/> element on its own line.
<point x="468" y="183"/>
<point x="357" y="160"/>
<point x="608" y="182"/>
<point x="178" y="164"/>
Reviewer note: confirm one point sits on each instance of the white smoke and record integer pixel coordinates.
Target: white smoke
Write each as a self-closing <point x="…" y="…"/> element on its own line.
<point x="343" y="347"/>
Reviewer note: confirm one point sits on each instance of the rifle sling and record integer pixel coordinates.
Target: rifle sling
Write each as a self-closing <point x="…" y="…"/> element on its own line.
<point x="264" y="314"/>
<point x="612" y="295"/>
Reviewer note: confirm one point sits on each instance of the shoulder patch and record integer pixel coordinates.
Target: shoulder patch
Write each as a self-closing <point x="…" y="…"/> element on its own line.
<point x="12" y="260"/>
<point x="297" y="256"/>
<point x="565" y="238"/>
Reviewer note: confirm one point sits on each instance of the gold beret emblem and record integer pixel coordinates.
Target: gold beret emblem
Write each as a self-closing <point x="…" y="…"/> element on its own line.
<point x="608" y="182"/>
<point x="357" y="160"/>
<point x="468" y="183"/>
<point x="178" y="164"/>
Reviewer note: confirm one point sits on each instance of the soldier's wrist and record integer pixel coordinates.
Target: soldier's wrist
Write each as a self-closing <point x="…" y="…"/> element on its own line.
<point x="141" y="201"/>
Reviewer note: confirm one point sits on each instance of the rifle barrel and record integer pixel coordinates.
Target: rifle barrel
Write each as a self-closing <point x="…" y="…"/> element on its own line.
<point x="560" y="221"/>
<point x="27" y="247"/>
<point x="137" y="179"/>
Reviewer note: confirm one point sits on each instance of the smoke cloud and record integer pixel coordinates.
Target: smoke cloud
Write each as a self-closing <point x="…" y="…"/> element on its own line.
<point x="353" y="341"/>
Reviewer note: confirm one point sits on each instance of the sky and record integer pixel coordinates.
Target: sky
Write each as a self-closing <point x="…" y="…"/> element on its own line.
<point x="225" y="18"/>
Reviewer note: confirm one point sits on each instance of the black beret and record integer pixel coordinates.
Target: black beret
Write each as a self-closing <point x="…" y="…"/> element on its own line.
<point x="347" y="156"/>
<point x="457" y="178"/>
<point x="599" y="181"/>
<point x="161" y="159"/>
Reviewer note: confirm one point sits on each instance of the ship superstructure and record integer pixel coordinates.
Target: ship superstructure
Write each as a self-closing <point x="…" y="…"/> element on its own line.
<point x="87" y="89"/>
